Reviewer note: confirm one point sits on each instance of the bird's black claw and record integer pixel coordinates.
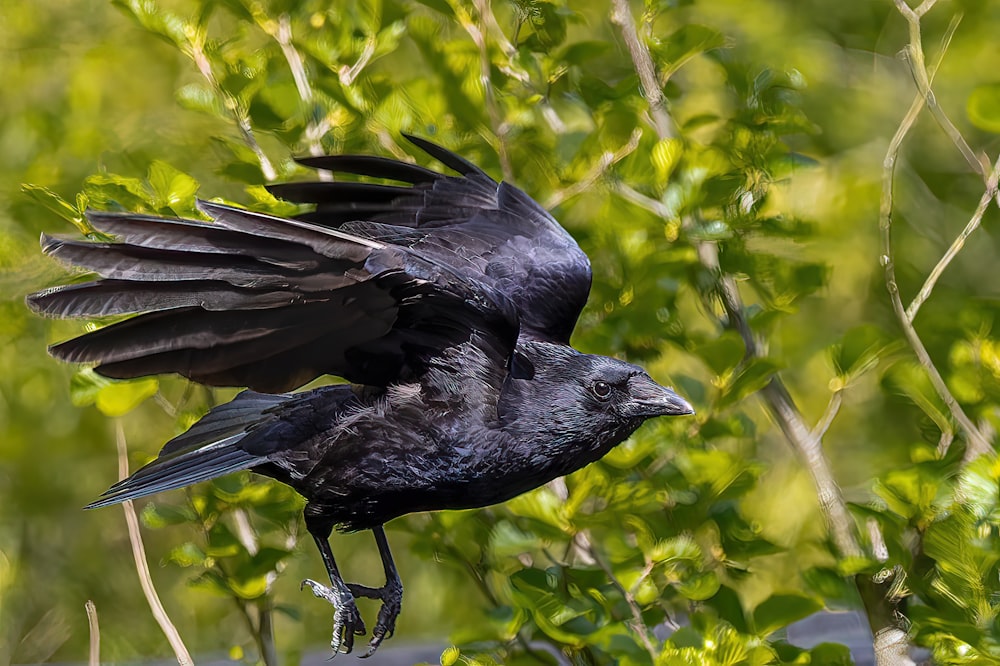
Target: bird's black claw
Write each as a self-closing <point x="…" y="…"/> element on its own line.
<point x="391" y="596"/>
<point x="347" y="622"/>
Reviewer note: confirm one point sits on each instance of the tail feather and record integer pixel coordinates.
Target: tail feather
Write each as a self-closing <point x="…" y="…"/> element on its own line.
<point x="183" y="470"/>
<point x="227" y="439"/>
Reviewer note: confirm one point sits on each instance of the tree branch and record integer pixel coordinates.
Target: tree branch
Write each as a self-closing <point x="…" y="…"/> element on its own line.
<point x="197" y="44"/>
<point x="776" y="396"/>
<point x="978" y="444"/>
<point x="638" y="624"/>
<point x="957" y="244"/>
<point x="141" y="565"/>
<point x="621" y="15"/>
<point x="317" y="127"/>
<point x="94" y="656"/>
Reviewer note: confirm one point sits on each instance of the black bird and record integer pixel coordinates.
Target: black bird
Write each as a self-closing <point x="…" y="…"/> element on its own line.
<point x="448" y="302"/>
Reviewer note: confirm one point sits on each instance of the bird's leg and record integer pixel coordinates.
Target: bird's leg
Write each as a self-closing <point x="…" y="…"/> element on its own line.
<point x="390" y="594"/>
<point x="347" y="621"/>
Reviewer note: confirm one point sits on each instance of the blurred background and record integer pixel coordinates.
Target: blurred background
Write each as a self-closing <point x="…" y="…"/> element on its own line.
<point x="96" y="93"/>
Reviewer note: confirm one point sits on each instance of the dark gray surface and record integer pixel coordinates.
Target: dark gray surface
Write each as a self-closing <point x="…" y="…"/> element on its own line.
<point x="848" y="628"/>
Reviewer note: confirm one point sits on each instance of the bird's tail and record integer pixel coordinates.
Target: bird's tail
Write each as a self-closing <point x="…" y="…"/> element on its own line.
<point x="235" y="436"/>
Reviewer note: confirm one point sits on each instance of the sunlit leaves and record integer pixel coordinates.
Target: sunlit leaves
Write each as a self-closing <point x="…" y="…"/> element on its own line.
<point x="688" y="41"/>
<point x="58" y="205"/>
<point x="111" y="397"/>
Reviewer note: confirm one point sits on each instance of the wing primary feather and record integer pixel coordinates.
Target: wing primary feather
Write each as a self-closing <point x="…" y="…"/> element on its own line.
<point x="323" y="192"/>
<point x="445" y="156"/>
<point x="194" y="236"/>
<point x="118" y="297"/>
<point x="370" y="165"/>
<point x="317" y="237"/>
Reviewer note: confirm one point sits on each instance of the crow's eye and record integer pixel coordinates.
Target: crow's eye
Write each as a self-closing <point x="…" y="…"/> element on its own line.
<point x="602" y="390"/>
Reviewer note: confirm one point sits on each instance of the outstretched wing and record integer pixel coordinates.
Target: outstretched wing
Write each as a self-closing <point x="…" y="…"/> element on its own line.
<point x="490" y="232"/>
<point x="266" y="302"/>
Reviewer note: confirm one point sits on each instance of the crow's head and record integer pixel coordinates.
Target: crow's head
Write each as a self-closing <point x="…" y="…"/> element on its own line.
<point x="581" y="403"/>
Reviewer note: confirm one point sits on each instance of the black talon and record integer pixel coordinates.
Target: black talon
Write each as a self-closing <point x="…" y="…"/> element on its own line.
<point x="390" y="594"/>
<point x="347" y="622"/>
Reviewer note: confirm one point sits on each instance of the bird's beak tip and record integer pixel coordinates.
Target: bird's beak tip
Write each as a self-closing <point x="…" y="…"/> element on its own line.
<point x="662" y="401"/>
<point x="677" y="406"/>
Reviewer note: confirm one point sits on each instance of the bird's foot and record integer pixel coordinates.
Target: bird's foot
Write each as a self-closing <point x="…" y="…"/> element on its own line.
<point x="347" y="622"/>
<point x="391" y="596"/>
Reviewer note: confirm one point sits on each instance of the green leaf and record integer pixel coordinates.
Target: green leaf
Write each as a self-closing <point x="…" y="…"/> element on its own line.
<point x="58" y="205"/>
<point x="112" y="397"/>
<point x="156" y="20"/>
<point x="186" y="555"/>
<point x="683" y="44"/>
<point x="119" y="398"/>
<point x="833" y="654"/>
<point x="859" y="350"/>
<point x="913" y="492"/>
<point x="506" y="540"/>
<point x="200" y="97"/>
<point x="781" y="610"/>
<point x="85" y="385"/>
<point x="908" y="378"/>
<point x="108" y="190"/>
<point x="752" y="378"/>
<point x="722" y="353"/>
<point x="983" y="107"/>
<point x="172" y="187"/>
<point x="699" y="587"/>
<point x="156" y="516"/>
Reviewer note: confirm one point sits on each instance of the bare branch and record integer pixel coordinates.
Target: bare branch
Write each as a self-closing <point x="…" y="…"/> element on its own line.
<point x="978" y="444"/>
<point x="776" y="396"/>
<point x="825" y="421"/>
<point x="914" y="56"/>
<point x="317" y="126"/>
<point x="957" y="244"/>
<point x="197" y="44"/>
<point x="605" y="162"/>
<point x="636" y="197"/>
<point x="94" y="657"/>
<point x="638" y="624"/>
<point x="141" y="565"/>
<point x="621" y="15"/>
<point x="347" y="73"/>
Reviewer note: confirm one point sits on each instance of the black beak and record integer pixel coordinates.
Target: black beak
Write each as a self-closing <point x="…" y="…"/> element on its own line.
<point x="650" y="399"/>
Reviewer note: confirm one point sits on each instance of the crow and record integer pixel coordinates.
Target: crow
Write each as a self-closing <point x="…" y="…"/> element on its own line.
<point x="447" y="303"/>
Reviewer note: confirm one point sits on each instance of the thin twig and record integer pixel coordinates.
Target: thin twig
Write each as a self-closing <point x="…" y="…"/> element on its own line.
<point x="317" y="127"/>
<point x="621" y="15"/>
<point x="197" y="44"/>
<point x="141" y="566"/>
<point x="265" y="631"/>
<point x="94" y="657"/>
<point x="638" y="624"/>
<point x="633" y="195"/>
<point x="957" y="244"/>
<point x="977" y="442"/>
<point x="605" y="162"/>
<point x="825" y="421"/>
<point x="478" y="33"/>
<point x="914" y="55"/>
<point x="776" y="396"/>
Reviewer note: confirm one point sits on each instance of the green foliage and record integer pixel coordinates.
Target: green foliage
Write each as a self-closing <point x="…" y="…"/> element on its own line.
<point x="708" y="520"/>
